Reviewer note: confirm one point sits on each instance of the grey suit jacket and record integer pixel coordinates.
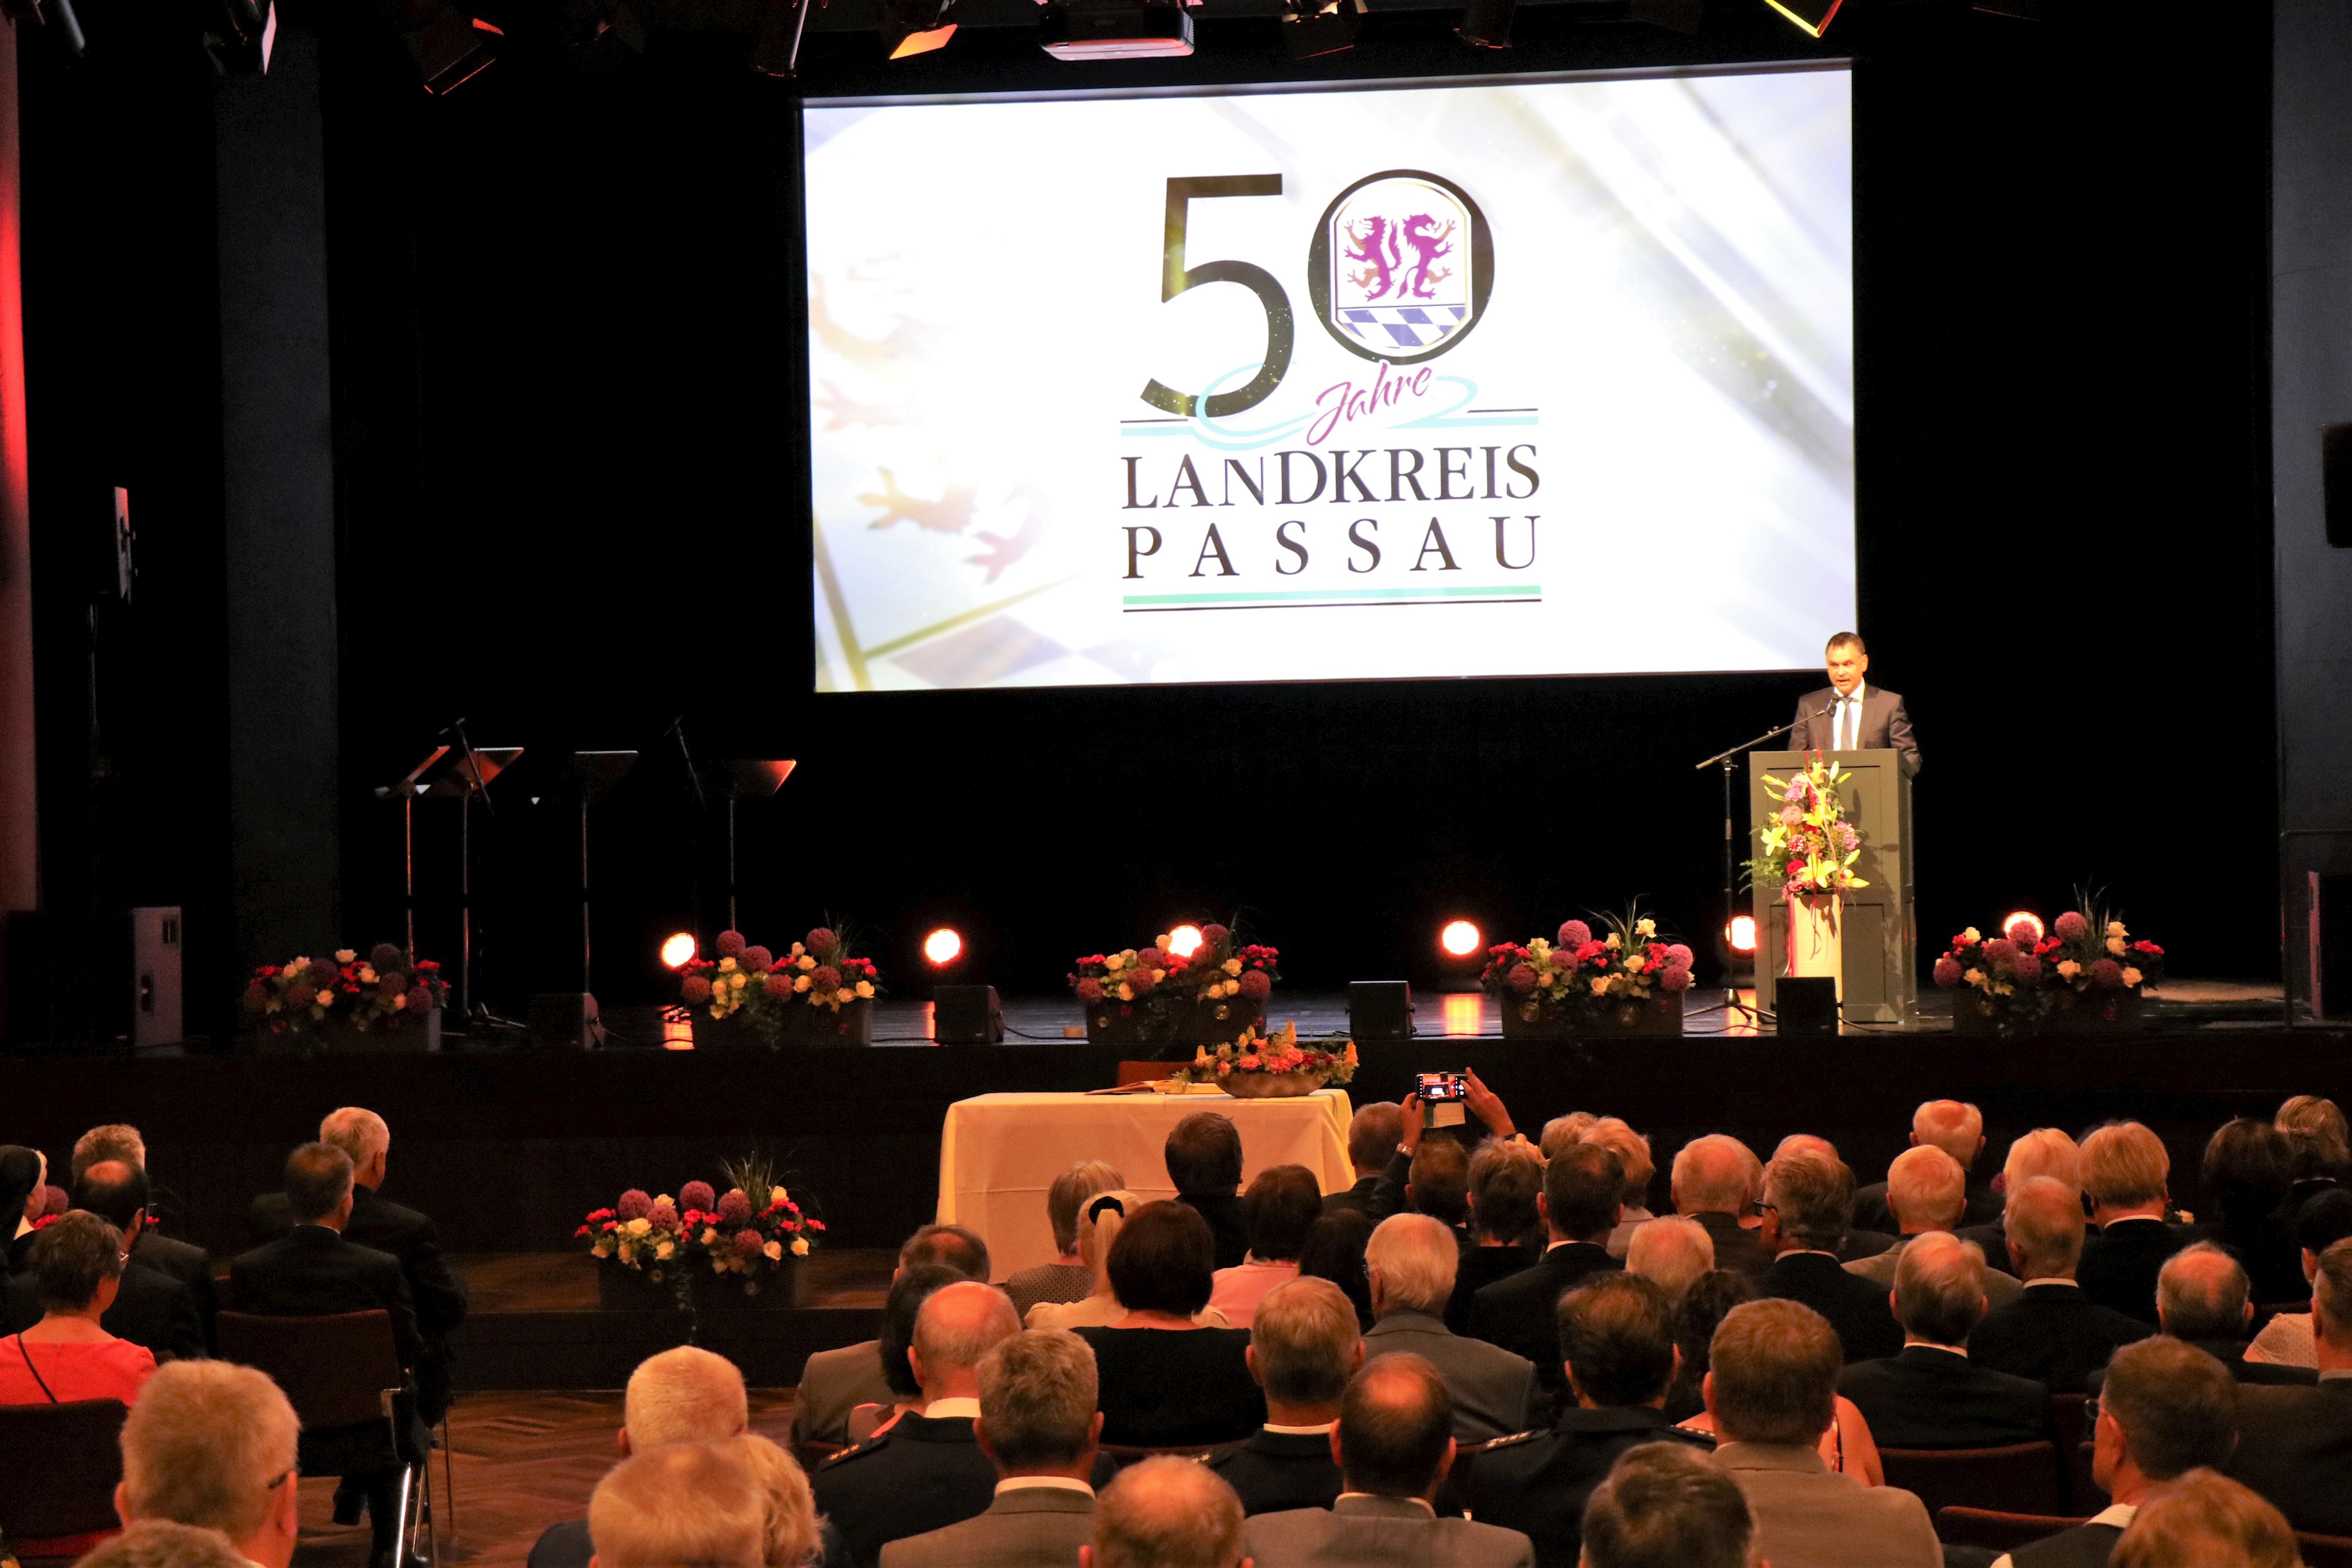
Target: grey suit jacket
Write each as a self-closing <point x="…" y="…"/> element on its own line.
<point x="1808" y="1517"/>
<point x="1359" y="1531"/>
<point x="2000" y="1289"/>
<point x="1885" y="724"/>
<point x="1496" y="1393"/>
<point x="834" y="1383"/>
<point x="1029" y="1527"/>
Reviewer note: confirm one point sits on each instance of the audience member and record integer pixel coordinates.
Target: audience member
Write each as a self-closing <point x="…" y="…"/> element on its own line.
<point x="1334" y="1252"/>
<point x="436" y="1292"/>
<point x="2246" y="1175"/>
<point x="1432" y="1174"/>
<point x="1771" y="1390"/>
<point x="1166" y="1512"/>
<point x="2053" y="1332"/>
<point x="1858" y="1243"/>
<point x="1672" y="1250"/>
<point x="835" y="1382"/>
<point x="2124" y="1175"/>
<point x="1563" y="1133"/>
<point x="1699" y="1310"/>
<point x="111" y="1141"/>
<point x="2325" y="1220"/>
<point x="150" y="1247"/>
<point x="1662" y="1507"/>
<point x="1394" y="1446"/>
<point x="1411" y="1259"/>
<point x="24" y="1174"/>
<point x="213" y="1446"/>
<point x="311" y="1270"/>
<point x="925" y="1470"/>
<point x="2044" y="1152"/>
<point x="794" y="1536"/>
<point x="1927" y="1190"/>
<point x="150" y="1307"/>
<point x="1437" y="1184"/>
<point x="159" y="1544"/>
<point x="1372" y="1136"/>
<point x="1166" y="1380"/>
<point x="1632" y="1151"/>
<point x="1504" y="1224"/>
<point x="2320" y="1148"/>
<point x="1956" y="1128"/>
<point x="1281" y="1206"/>
<point x="2206" y="1520"/>
<point x="1203" y="1156"/>
<point x="1099" y="1223"/>
<point x="1583" y="1193"/>
<point x="680" y="1396"/>
<point x="2168" y="1409"/>
<point x="2294" y="1444"/>
<point x="2201" y="1298"/>
<point x="687" y="1505"/>
<point x="1039" y="1427"/>
<point x="1807" y="1199"/>
<point x="1710" y="1182"/>
<point x="1617" y="1341"/>
<point x="74" y="1268"/>
<point x="1304" y="1348"/>
<point x="1069" y="1277"/>
<point x="1932" y="1396"/>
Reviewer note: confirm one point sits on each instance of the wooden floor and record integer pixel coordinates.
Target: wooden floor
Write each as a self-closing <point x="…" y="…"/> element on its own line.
<point x="523" y="1462"/>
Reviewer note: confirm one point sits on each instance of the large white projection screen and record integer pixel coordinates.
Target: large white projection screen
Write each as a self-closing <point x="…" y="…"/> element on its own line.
<point x="1519" y="377"/>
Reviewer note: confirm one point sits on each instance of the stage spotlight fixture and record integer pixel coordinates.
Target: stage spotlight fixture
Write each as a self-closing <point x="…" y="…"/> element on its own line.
<point x="1115" y="29"/>
<point x="240" y="37"/>
<point x="677" y="950"/>
<point x="1487" y="23"/>
<point x="776" y="37"/>
<point x="915" y="27"/>
<point x="1185" y="941"/>
<point x="1812" y="17"/>
<point x="1312" y="27"/>
<point x="2024" y="928"/>
<point x="449" y="46"/>
<point x="943" y="947"/>
<point x="1460" y="939"/>
<point x="1743" y="934"/>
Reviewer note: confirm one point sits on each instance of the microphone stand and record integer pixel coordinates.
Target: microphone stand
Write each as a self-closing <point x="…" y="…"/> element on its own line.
<point x="1728" y="760"/>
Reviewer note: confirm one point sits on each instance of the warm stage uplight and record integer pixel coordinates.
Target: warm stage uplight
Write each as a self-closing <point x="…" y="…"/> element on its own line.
<point x="1459" y="938"/>
<point x="1743" y="934"/>
<point x="943" y="947"/>
<point x="1185" y="941"/>
<point x="677" y="950"/>
<point x="2024" y="927"/>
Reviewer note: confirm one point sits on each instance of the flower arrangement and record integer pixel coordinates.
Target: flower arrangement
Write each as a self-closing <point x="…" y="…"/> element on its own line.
<point x="2087" y="959"/>
<point x="1278" y="1056"/>
<point x="818" y="972"/>
<point x="702" y="1232"/>
<point x="1219" y="967"/>
<point x="1807" y="846"/>
<point x="1580" y="970"/>
<point x="381" y="992"/>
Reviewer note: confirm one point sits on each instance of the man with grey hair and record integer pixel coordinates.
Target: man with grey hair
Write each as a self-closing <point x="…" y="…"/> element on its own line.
<point x="1927" y="1189"/>
<point x="2203" y="1298"/>
<point x="1304" y="1346"/>
<point x="214" y="1445"/>
<point x="1956" y="1128"/>
<point x="1372" y="1136"/>
<point x="1672" y="1250"/>
<point x="1806" y="1197"/>
<point x="1932" y="1396"/>
<point x="1710" y="1182"/>
<point x="1038" y="1424"/>
<point x="2053" y="1334"/>
<point x="1166" y="1512"/>
<point x="835" y="1382"/>
<point x="1666" y="1507"/>
<point x="1410" y="1261"/>
<point x="192" y="1266"/>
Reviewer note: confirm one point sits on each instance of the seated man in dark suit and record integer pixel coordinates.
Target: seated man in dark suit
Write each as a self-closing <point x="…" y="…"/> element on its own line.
<point x="2168" y="1408"/>
<point x="2053" y="1334"/>
<point x="1304" y="1346"/>
<point x="438" y="1291"/>
<point x="1806" y="1197"/>
<point x="191" y="1265"/>
<point x="2202" y="1298"/>
<point x="1582" y="1196"/>
<point x="1410" y="1262"/>
<point x="2126" y="1174"/>
<point x="2044" y="1152"/>
<point x="151" y="1308"/>
<point x="835" y="1382"/>
<point x="1932" y="1396"/>
<point x="1372" y="1137"/>
<point x="1710" y="1185"/>
<point x="1927" y="1190"/>
<point x="2245" y="1172"/>
<point x="313" y="1270"/>
<point x="1504" y="1178"/>
<point x="1859" y="1243"/>
<point x="1203" y="1156"/>
<point x="681" y="1396"/>
<point x="2294" y="1444"/>
<point x="1662" y="1503"/>
<point x="1956" y="1128"/>
<point x="1617" y="1343"/>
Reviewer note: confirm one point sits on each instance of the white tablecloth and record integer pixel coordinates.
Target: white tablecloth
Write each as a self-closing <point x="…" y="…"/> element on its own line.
<point x="1000" y="1152"/>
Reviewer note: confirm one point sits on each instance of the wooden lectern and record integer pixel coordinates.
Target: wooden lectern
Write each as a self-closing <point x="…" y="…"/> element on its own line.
<point x="1881" y="933"/>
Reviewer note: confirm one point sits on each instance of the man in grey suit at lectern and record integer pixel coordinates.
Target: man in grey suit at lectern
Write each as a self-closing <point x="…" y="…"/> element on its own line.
<point x="1853" y="715"/>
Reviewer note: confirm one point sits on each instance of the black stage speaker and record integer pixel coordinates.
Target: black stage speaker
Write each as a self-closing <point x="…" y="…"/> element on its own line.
<point x="966" y="1015"/>
<point x="564" y="1020"/>
<point x="2331" y="961"/>
<point x="155" y="975"/>
<point x="2336" y="482"/>
<point x="1807" y="1003"/>
<point x="1379" y="1009"/>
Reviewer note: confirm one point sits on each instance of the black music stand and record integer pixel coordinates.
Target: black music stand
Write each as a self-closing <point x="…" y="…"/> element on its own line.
<point x="588" y="777"/>
<point x="474" y="769"/>
<point x="745" y="779"/>
<point x="405" y="790"/>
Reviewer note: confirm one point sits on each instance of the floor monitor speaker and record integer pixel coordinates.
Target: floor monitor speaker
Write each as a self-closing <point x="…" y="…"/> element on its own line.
<point x="1381" y="1009"/>
<point x="564" y="1020"/>
<point x="1807" y="1003"/>
<point x="967" y="1015"/>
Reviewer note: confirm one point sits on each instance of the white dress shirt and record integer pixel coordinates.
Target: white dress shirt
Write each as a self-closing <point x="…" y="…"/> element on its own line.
<point x="1845" y="732"/>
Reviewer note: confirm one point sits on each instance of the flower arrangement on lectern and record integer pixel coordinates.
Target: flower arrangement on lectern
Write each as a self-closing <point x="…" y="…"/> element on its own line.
<point x="703" y="1237"/>
<point x="1259" y="1067"/>
<point x="1807" y="846"/>
<point x="383" y="992"/>
<point x="763" y="989"/>
<point x="2086" y="970"/>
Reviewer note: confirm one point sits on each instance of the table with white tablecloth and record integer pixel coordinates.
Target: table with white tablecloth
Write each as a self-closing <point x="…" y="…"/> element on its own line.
<point x="999" y="1153"/>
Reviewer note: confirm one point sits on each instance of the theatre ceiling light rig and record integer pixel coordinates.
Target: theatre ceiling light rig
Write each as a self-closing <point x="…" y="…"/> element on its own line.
<point x="1115" y="29"/>
<point x="1487" y="23"/>
<point x="1312" y="27"/>
<point x="915" y="27"/>
<point x="1812" y="17"/>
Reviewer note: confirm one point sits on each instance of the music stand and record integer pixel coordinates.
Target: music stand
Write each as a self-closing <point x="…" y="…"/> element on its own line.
<point x="588" y="777"/>
<point x="474" y="769"/>
<point x="745" y="779"/>
<point x="405" y="790"/>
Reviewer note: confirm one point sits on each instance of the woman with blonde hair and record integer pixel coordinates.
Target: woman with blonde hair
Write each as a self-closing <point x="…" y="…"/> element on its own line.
<point x="1067" y="1278"/>
<point x="794" y="1534"/>
<point x="1101" y="1219"/>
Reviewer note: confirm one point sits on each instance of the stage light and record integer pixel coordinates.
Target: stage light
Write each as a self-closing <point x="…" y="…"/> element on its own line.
<point x="1812" y="17"/>
<point x="1743" y="934"/>
<point x="677" y="950"/>
<point x="1487" y="23"/>
<point x="1115" y="29"/>
<point x="1312" y="27"/>
<point x="915" y="27"/>
<point x="2024" y="928"/>
<point x="943" y="947"/>
<point x="1185" y="941"/>
<point x="449" y="46"/>
<point x="776" y="36"/>
<point x="1460" y="939"/>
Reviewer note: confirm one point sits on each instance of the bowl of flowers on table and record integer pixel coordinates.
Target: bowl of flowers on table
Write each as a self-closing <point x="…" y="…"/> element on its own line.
<point x="1259" y="1067"/>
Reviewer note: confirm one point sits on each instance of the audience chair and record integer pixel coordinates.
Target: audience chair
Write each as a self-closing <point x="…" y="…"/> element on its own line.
<point x="2324" y="1550"/>
<point x="1996" y="1532"/>
<point x="865" y="1420"/>
<point x="2069" y="1418"/>
<point x="341" y="1371"/>
<point x="60" y="1467"/>
<point x="2019" y="1477"/>
<point x="1124" y="1454"/>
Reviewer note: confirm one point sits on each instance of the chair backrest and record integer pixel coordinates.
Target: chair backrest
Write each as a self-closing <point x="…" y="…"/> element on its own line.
<point x="2324" y="1550"/>
<point x="2069" y="1417"/>
<point x="1996" y="1533"/>
<point x="1124" y="1454"/>
<point x="2021" y="1478"/>
<point x="864" y="1419"/>
<point x="334" y="1369"/>
<point x="61" y="1464"/>
<point x="1143" y="1072"/>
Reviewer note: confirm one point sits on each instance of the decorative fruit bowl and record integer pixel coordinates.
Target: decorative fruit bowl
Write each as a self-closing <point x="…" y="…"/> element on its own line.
<point x="1258" y="1068"/>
